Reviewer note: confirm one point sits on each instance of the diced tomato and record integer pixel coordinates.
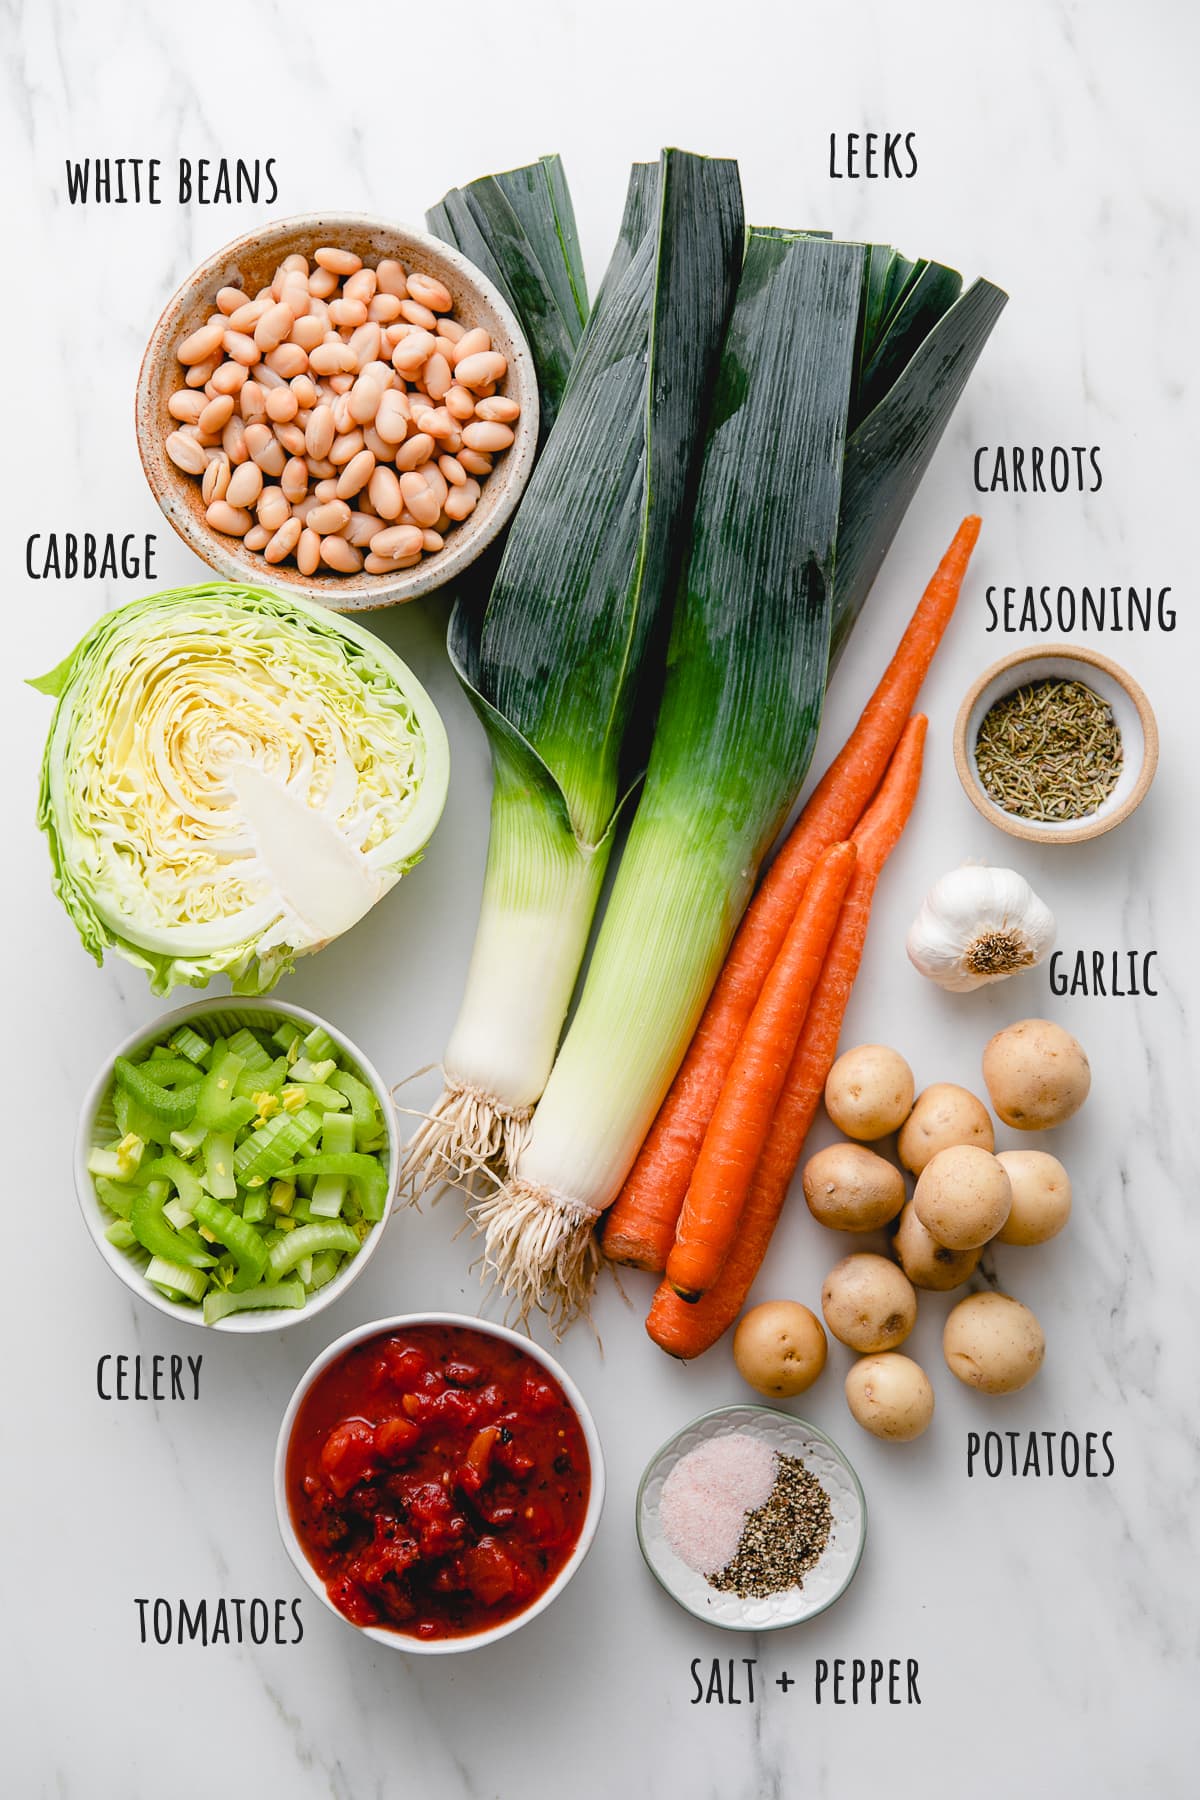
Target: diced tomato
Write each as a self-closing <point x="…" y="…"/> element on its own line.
<point x="406" y="1365"/>
<point x="394" y="1438"/>
<point x="462" y="1374"/>
<point x="537" y="1396"/>
<point x="347" y="1455"/>
<point x="490" y="1572"/>
<point x="510" y="1456"/>
<point x="542" y="1521"/>
<point x="437" y="1479"/>
<point x="474" y="1470"/>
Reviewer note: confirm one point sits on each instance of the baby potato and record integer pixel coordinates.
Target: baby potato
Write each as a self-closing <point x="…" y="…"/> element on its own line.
<point x="868" y="1303"/>
<point x="963" y="1197"/>
<point x="851" y="1189"/>
<point x="890" y="1396"/>
<point x="943" y="1116"/>
<point x="927" y="1263"/>
<point x="993" y="1343"/>
<point x="779" y="1348"/>
<point x="1041" y="1196"/>
<point x="1036" y="1074"/>
<point x="869" y="1091"/>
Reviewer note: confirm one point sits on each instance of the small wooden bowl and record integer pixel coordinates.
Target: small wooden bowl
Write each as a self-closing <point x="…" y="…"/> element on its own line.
<point x="1130" y="708"/>
<point x="249" y="263"/>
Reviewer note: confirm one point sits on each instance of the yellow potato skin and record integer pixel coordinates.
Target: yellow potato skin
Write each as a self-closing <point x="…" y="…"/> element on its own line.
<point x="944" y="1115"/>
<point x="993" y="1343"/>
<point x="928" y="1264"/>
<point x="963" y="1197"/>
<point x="1037" y="1075"/>
<point x="869" y="1092"/>
<point x="850" y="1188"/>
<point x="779" y="1348"/>
<point x="869" y="1304"/>
<point x="890" y="1396"/>
<point x="1041" y="1203"/>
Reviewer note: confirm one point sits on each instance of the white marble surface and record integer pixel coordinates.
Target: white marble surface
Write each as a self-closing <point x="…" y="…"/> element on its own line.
<point x="1054" y="1621"/>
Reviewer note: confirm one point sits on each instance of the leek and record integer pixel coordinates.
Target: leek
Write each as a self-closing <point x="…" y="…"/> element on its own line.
<point x="737" y="725"/>
<point x="519" y="229"/>
<point x="868" y="385"/>
<point x="554" y="667"/>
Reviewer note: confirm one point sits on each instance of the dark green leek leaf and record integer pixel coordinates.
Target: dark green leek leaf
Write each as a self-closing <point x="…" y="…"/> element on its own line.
<point x="889" y="452"/>
<point x="924" y="299"/>
<point x="641" y="200"/>
<point x="746" y="665"/>
<point x="591" y="553"/>
<point x="519" y="229"/>
<point x="539" y="195"/>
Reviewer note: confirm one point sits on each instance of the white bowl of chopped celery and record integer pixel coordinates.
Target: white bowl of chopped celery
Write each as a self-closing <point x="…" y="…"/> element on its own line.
<point x="236" y="1163"/>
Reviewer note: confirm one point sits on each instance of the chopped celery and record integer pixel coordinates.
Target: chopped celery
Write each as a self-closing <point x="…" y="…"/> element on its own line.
<point x="219" y="1178"/>
<point x="320" y="1047"/>
<point x="173" y="1168"/>
<point x="217" y="1092"/>
<point x="254" y="1206"/>
<point x="133" y="1118"/>
<point x="232" y="1171"/>
<point x="176" y="1282"/>
<point x="325" y="1265"/>
<point x="243" y="1043"/>
<point x="117" y="1161"/>
<point x="262" y="1080"/>
<point x="367" y="1172"/>
<point x="188" y="1141"/>
<point x="189" y="1043"/>
<point x="170" y="1106"/>
<point x="240" y="1239"/>
<point x="170" y="1071"/>
<point x="270" y="1149"/>
<point x="118" y="1196"/>
<point x="283" y="1194"/>
<point x="153" y="1233"/>
<point x="367" y="1118"/>
<point x="328" y="1099"/>
<point x="217" y="1305"/>
<point x="308" y="1069"/>
<point x="329" y="1191"/>
<point x="283" y="1257"/>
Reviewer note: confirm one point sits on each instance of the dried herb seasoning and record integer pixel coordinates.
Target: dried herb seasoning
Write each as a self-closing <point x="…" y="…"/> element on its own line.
<point x="783" y="1539"/>
<point x="1050" y="750"/>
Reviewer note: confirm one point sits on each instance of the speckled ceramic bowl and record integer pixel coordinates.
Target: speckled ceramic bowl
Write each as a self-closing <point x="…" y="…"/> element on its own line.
<point x="249" y="262"/>
<point x="822" y="1585"/>
<point x="1130" y="709"/>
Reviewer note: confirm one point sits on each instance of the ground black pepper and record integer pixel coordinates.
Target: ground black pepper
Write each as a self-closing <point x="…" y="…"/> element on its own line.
<point x="783" y="1539"/>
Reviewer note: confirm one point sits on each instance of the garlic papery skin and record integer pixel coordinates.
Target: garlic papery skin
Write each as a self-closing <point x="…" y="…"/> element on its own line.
<point x="978" y="925"/>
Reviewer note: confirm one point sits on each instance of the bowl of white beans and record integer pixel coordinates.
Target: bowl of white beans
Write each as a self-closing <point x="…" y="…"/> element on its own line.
<point x="338" y="407"/>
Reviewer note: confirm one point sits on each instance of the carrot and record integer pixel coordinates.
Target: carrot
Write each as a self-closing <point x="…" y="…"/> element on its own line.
<point x="640" y="1226"/>
<point x="742" y="1117"/>
<point x="688" y="1331"/>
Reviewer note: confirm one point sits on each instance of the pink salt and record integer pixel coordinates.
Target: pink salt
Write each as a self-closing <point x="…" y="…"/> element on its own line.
<point x="707" y="1495"/>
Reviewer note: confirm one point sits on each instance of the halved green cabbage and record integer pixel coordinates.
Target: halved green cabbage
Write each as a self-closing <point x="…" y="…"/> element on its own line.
<point x="231" y="780"/>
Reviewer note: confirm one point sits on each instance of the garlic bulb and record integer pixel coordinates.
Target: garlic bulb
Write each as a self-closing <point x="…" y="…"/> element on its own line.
<point x="977" y="925"/>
